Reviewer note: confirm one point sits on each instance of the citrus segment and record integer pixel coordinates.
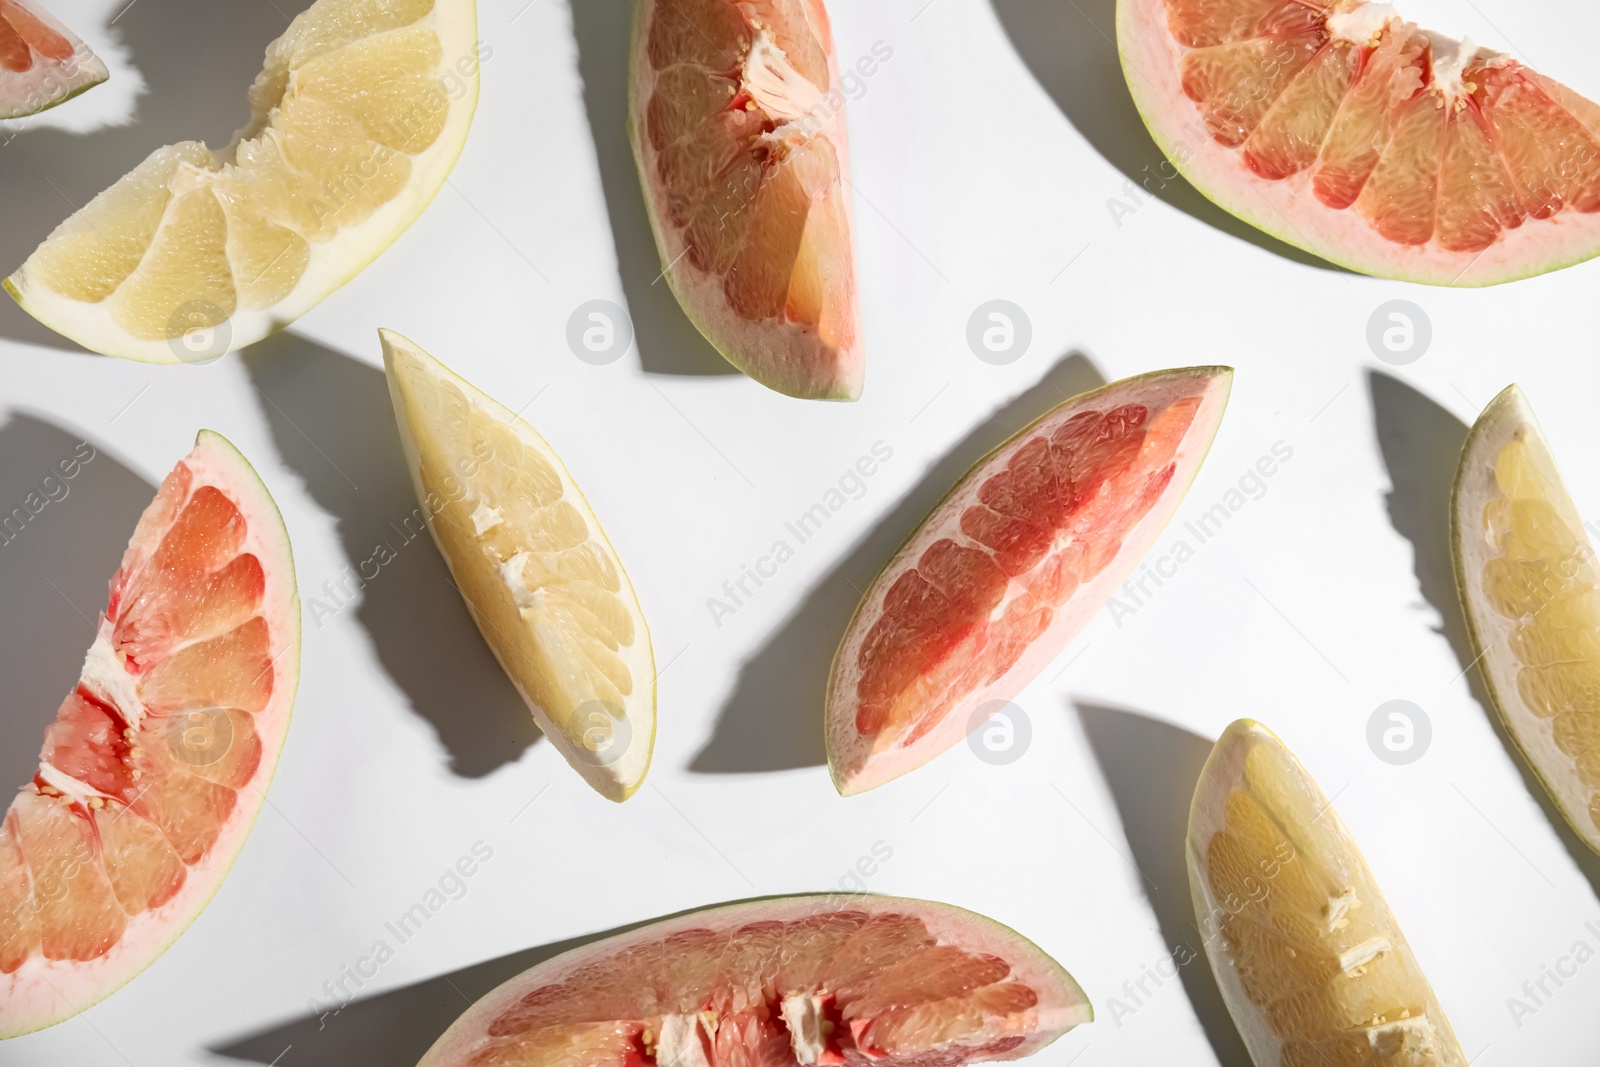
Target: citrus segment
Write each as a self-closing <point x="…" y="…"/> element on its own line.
<point x="1343" y="129"/>
<point x="1010" y="566"/>
<point x="159" y="758"/>
<point x="358" y="116"/>
<point x="1310" y="960"/>
<point x="803" y="980"/>
<point x="739" y="134"/>
<point x="42" y="63"/>
<point x="1530" y="587"/>
<point x="536" y="570"/>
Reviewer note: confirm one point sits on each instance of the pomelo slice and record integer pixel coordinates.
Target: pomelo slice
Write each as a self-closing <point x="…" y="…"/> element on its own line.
<point x="1530" y="588"/>
<point x="799" y="980"/>
<point x="1010" y="566"/>
<point x="1343" y="129"/>
<point x="738" y="129"/>
<point x="160" y="758"/>
<point x="359" y="114"/>
<point x="541" y="580"/>
<point x="42" y="63"/>
<point x="1310" y="960"/>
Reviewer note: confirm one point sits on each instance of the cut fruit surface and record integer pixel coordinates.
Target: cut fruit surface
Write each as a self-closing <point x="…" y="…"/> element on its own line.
<point x="799" y="980"/>
<point x="159" y="759"/>
<point x="1010" y="566"/>
<point x="1308" y="956"/>
<point x="359" y="114"/>
<point x="1530" y="588"/>
<point x="537" y="573"/>
<point x="738" y="129"/>
<point x="42" y="63"/>
<point x="1339" y="127"/>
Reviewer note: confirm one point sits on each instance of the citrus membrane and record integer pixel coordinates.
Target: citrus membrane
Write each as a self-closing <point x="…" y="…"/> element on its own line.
<point x="1530" y="588"/>
<point x="42" y="63"/>
<point x="541" y="580"/>
<point x="159" y="758"/>
<point x="1338" y="126"/>
<point x="799" y="980"/>
<point x="1010" y="566"/>
<point x="358" y="116"/>
<point x="1308" y="956"/>
<point x="738" y="129"/>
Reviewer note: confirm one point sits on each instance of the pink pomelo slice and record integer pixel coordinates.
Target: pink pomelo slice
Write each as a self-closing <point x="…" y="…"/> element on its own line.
<point x="1010" y="566"/>
<point x="738" y="128"/>
<point x="800" y="980"/>
<point x="42" y="63"/>
<point x="159" y="759"/>
<point x="1343" y="129"/>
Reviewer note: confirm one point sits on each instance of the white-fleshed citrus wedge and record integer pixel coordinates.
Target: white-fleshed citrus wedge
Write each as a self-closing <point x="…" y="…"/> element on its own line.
<point x="42" y="63"/>
<point x="1530" y="588"/>
<point x="534" y="567"/>
<point x="1310" y="960"/>
<point x="359" y="114"/>
<point x="159" y="759"/>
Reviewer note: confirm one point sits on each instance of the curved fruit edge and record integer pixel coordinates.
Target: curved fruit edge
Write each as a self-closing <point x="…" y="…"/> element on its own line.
<point x="386" y="338"/>
<point x="1073" y="994"/>
<point x="1219" y="372"/>
<point x="1507" y="397"/>
<point x="252" y="481"/>
<point x="99" y="77"/>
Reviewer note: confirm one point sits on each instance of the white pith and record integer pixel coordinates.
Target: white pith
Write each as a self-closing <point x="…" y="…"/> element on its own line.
<point x="1062" y="1004"/>
<point x="44" y="992"/>
<point x="1289" y="209"/>
<point x="1509" y="417"/>
<point x="331" y="264"/>
<point x="857" y="763"/>
<point x="49" y="82"/>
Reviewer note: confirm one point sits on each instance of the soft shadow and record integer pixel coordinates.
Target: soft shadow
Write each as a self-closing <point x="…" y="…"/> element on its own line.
<point x="192" y="92"/>
<point x="1071" y="50"/>
<point x="773" y="720"/>
<point x="60" y="541"/>
<point x="668" y="342"/>
<point x="1421" y="446"/>
<point x="332" y="421"/>
<point x="1152" y="767"/>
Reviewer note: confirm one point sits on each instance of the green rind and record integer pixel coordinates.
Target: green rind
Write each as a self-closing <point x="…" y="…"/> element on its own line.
<point x="1217" y="371"/>
<point x="72" y="94"/>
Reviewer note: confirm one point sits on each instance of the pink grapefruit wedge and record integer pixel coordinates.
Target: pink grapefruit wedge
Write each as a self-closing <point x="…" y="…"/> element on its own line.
<point x="42" y="63"/>
<point x="1343" y="129"/>
<point x="738" y="129"/>
<point x="801" y="980"/>
<point x="1010" y="566"/>
<point x="159" y="758"/>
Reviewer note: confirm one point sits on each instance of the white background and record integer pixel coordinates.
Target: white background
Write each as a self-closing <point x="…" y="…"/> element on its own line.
<point x="986" y="153"/>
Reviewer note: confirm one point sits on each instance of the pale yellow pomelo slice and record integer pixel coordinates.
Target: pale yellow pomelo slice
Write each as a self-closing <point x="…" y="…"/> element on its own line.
<point x="1530" y="588"/>
<point x="359" y="114"/>
<point x="536" y="570"/>
<point x="1310" y="960"/>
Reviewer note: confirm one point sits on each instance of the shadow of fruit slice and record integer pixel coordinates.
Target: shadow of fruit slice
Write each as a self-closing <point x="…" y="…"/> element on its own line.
<point x="159" y="760"/>
<point x="541" y="580"/>
<point x="738" y="129"/>
<point x="42" y="63"/>
<point x="1343" y="129"/>
<point x="1530" y="588"/>
<point x="1010" y="566"/>
<point x="358" y="116"/>
<point x="1308" y="956"/>
<point x="804" y="980"/>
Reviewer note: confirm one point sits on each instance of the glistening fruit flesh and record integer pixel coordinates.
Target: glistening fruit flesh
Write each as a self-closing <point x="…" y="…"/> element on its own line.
<point x="1343" y="129"/>
<point x="42" y="63"/>
<point x="1009" y="567"/>
<point x="738" y="129"/>
<point x="159" y="758"/>
<point x="358" y="116"/>
<point x="1308" y="956"/>
<point x="1530" y="588"/>
<point x="800" y="980"/>
<point x="542" y="582"/>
